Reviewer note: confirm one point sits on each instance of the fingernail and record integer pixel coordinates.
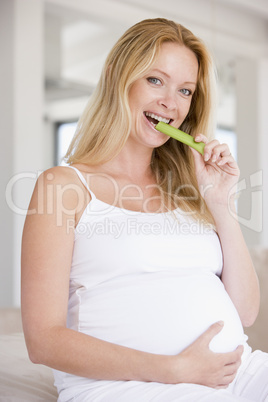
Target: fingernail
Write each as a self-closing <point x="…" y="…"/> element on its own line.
<point x="206" y="157"/>
<point x="221" y="323"/>
<point x="214" y="158"/>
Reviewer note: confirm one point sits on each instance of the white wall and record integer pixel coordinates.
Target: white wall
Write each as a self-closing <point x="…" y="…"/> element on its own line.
<point x="21" y="129"/>
<point x="252" y="130"/>
<point x="7" y="143"/>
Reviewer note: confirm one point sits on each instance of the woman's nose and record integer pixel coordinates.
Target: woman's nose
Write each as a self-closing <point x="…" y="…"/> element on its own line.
<point x="168" y="101"/>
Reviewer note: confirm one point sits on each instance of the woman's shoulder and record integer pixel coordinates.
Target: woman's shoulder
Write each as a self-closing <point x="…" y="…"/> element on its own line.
<point x="58" y="175"/>
<point x="63" y="176"/>
<point x="60" y="185"/>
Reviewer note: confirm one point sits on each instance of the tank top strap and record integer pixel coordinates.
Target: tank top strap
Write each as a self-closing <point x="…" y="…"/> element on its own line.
<point x="83" y="180"/>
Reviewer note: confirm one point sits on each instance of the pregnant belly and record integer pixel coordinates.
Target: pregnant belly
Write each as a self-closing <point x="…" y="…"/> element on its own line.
<point x="160" y="313"/>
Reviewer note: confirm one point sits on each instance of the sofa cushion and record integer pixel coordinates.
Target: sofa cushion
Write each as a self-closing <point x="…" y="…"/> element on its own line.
<point x="20" y="379"/>
<point x="10" y="320"/>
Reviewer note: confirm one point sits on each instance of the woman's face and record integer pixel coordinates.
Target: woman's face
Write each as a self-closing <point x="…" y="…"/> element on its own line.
<point x="164" y="93"/>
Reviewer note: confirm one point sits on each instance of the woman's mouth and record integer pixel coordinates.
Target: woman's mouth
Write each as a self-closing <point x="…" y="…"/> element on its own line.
<point x="155" y="118"/>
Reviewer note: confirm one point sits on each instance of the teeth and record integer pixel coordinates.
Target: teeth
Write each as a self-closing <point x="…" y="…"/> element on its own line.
<point x="156" y="117"/>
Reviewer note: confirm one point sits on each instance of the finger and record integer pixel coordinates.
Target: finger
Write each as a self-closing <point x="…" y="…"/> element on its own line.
<point x="222" y="386"/>
<point x="220" y="151"/>
<point x="235" y="356"/>
<point x="225" y="384"/>
<point x="213" y="150"/>
<point x="209" y="150"/>
<point x="228" y="379"/>
<point x="231" y="369"/>
<point x="226" y="159"/>
<point x="201" y="137"/>
<point x="238" y="351"/>
<point x="212" y="331"/>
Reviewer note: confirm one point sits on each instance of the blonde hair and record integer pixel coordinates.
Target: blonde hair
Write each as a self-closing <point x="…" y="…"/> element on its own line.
<point x="105" y="124"/>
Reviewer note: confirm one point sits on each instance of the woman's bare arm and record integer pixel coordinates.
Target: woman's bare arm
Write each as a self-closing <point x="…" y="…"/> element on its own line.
<point x="217" y="177"/>
<point x="238" y="274"/>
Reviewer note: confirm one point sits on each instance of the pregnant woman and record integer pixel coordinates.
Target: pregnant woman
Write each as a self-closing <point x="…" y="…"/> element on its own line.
<point x="136" y="280"/>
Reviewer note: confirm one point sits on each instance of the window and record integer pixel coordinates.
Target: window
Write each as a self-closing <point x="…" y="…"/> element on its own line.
<point x="64" y="135"/>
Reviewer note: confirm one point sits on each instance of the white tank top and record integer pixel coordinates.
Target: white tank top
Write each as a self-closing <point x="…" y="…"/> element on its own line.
<point x="148" y="281"/>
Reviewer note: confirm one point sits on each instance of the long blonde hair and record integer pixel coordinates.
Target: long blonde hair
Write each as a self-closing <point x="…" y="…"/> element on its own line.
<point x="104" y="126"/>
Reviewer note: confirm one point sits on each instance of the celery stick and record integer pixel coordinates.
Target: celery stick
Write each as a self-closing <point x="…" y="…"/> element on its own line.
<point x="180" y="136"/>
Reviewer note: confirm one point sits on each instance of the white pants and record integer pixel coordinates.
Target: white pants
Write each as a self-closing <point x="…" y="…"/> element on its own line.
<point x="250" y="384"/>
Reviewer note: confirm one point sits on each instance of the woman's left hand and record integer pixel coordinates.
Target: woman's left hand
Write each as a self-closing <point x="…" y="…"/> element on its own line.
<point x="217" y="171"/>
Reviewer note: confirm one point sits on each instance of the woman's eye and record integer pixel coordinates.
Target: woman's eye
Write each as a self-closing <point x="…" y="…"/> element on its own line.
<point x="154" y="80"/>
<point x="186" y="92"/>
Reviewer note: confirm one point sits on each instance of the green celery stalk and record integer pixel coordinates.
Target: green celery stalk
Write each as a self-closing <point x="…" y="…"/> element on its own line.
<point x="180" y="136"/>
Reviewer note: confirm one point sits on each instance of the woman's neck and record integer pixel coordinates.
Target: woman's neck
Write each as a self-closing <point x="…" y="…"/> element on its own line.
<point x="135" y="165"/>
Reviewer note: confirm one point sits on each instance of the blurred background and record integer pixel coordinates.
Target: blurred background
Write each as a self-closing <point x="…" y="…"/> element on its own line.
<point x="52" y="52"/>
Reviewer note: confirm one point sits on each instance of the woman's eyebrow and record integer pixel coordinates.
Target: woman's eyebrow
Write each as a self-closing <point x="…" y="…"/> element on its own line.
<point x="161" y="72"/>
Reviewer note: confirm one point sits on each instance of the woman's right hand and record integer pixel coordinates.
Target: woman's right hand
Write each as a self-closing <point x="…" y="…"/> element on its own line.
<point x="197" y="364"/>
